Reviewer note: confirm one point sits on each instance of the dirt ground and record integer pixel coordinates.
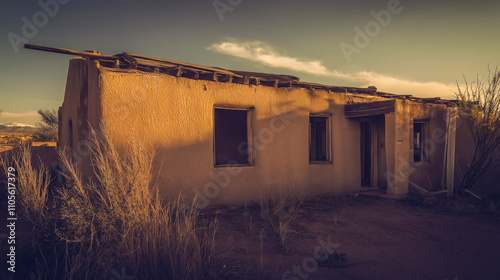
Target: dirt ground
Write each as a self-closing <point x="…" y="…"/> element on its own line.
<point x="382" y="239"/>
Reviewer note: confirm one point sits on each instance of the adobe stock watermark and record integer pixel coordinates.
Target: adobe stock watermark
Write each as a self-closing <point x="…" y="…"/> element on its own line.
<point x="223" y="6"/>
<point x="309" y="265"/>
<point x="372" y="29"/>
<point x="31" y="26"/>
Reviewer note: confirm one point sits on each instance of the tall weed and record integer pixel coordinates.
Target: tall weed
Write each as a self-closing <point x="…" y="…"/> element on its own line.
<point x="115" y="221"/>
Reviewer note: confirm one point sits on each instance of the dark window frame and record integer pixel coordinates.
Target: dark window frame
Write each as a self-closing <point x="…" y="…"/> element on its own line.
<point x="421" y="155"/>
<point x="250" y="151"/>
<point x="327" y="153"/>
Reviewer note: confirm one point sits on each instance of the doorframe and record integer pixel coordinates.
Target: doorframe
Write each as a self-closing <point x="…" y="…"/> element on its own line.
<point x="373" y="150"/>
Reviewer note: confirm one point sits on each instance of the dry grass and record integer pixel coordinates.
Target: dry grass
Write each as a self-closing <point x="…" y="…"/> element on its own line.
<point x="248" y="220"/>
<point x="281" y="212"/>
<point x="117" y="221"/>
<point x="265" y="267"/>
<point x="31" y="186"/>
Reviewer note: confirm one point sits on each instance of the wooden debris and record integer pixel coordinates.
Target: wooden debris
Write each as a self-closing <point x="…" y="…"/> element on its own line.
<point x="194" y="66"/>
<point x="71" y="52"/>
<point x="418" y="188"/>
<point x="472" y="194"/>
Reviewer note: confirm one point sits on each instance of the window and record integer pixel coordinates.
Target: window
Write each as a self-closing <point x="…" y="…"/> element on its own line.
<point x="419" y="138"/>
<point x="319" y="139"/>
<point x="231" y="136"/>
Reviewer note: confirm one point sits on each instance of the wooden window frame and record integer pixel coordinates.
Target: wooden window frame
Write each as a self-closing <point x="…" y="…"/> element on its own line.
<point x="328" y="134"/>
<point x="251" y="151"/>
<point x="424" y="154"/>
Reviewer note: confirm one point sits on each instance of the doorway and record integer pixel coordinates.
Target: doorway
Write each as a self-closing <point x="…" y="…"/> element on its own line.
<point x="367" y="153"/>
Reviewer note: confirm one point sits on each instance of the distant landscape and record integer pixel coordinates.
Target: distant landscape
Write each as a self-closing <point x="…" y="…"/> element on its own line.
<point x="15" y="133"/>
<point x="17" y="128"/>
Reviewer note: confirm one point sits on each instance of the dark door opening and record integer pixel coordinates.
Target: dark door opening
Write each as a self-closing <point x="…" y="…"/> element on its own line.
<point x="366" y="153"/>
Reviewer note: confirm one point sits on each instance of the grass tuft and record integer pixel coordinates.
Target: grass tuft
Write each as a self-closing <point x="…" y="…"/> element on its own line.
<point x="281" y="212"/>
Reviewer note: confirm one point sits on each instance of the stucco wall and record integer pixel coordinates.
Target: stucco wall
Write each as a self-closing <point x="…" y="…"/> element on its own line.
<point x="429" y="173"/>
<point x="176" y="115"/>
<point x="80" y="111"/>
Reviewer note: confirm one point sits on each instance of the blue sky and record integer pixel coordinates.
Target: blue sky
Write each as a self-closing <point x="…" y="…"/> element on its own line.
<point x="405" y="47"/>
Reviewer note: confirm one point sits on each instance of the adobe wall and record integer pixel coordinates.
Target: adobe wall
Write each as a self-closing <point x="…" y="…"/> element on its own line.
<point x="176" y="115"/>
<point x="80" y="111"/>
<point x="428" y="174"/>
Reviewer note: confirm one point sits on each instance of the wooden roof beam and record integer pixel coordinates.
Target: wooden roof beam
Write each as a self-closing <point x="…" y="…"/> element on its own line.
<point x="70" y="52"/>
<point x="365" y="109"/>
<point x="199" y="67"/>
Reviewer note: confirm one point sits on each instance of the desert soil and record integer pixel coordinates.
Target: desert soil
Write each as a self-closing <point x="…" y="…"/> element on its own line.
<point x="383" y="239"/>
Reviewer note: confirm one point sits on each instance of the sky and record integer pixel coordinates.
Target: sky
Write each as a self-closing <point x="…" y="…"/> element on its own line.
<point x="418" y="47"/>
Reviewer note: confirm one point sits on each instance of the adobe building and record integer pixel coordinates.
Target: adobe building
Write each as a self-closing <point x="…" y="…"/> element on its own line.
<point x="232" y="136"/>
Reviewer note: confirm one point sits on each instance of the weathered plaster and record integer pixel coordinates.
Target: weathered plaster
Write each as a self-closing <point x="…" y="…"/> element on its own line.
<point x="175" y="115"/>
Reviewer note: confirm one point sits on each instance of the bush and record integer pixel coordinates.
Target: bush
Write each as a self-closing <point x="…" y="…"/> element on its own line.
<point x="47" y="129"/>
<point x="480" y="106"/>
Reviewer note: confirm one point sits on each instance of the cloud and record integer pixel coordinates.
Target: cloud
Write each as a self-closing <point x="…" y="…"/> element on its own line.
<point x="29" y="117"/>
<point x="266" y="55"/>
<point x="405" y="86"/>
<point x="28" y="114"/>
